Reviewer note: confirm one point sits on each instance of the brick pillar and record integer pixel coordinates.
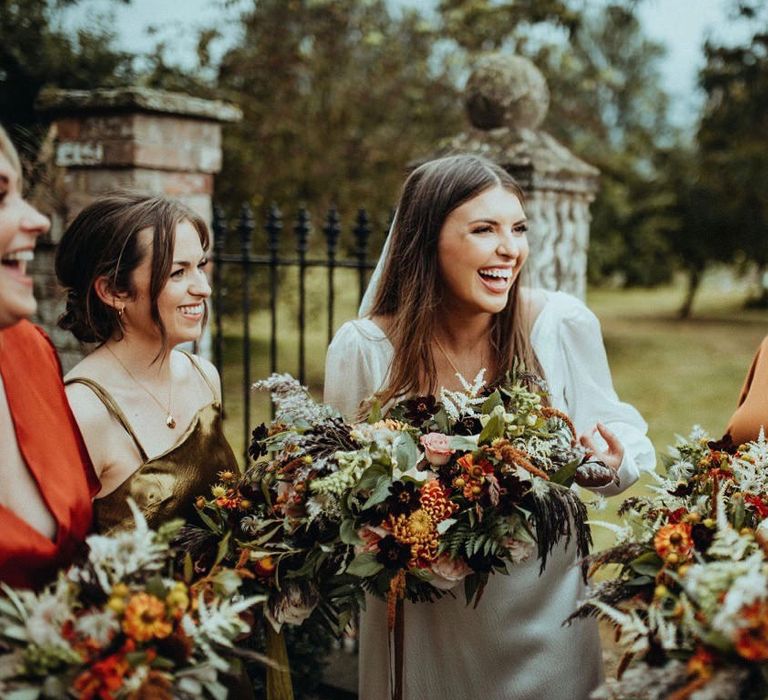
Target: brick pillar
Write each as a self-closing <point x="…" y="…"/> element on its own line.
<point x="147" y="140"/>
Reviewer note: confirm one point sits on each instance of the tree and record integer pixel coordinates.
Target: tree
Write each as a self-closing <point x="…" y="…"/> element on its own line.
<point x="733" y="138"/>
<point x="338" y="97"/>
<point x="35" y="51"/>
<point x="608" y="105"/>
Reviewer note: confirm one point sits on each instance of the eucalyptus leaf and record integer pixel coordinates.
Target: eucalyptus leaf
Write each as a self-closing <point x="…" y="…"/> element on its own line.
<point x="370" y="477"/>
<point x="463" y="443"/>
<point x="406" y="452"/>
<point x="444" y="525"/>
<point x="566" y="473"/>
<point x="380" y="492"/>
<point x="23" y="694"/>
<point x="348" y="533"/>
<point x="647" y="564"/>
<point x="365" y="565"/>
<point x="493" y="429"/>
<point x="492" y="401"/>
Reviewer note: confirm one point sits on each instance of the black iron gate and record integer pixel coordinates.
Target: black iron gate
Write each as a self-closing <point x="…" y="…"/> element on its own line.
<point x="243" y="257"/>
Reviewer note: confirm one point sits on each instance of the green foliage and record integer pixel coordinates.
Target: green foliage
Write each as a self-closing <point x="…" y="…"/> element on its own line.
<point x="733" y="139"/>
<point x="37" y="51"/>
<point x="338" y="98"/>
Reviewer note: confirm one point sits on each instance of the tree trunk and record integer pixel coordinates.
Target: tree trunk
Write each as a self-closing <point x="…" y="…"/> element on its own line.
<point x="694" y="281"/>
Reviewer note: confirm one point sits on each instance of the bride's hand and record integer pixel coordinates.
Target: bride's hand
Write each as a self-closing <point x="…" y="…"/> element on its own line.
<point x="603" y="465"/>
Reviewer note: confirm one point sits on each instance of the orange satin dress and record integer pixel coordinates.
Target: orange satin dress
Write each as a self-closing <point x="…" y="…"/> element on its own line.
<point x="752" y="412"/>
<point x="50" y="444"/>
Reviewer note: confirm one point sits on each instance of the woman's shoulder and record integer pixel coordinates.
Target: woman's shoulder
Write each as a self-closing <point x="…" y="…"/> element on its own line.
<point x="190" y="363"/>
<point x="360" y="333"/>
<point x="548" y="306"/>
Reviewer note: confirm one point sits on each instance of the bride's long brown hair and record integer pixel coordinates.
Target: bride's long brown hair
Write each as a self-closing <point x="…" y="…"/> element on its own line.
<point x="411" y="289"/>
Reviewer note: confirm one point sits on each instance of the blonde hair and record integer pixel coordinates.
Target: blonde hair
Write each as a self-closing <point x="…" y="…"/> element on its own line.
<point x="9" y="151"/>
<point x="411" y="289"/>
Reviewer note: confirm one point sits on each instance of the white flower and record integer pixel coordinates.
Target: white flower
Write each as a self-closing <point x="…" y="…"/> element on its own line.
<point x="99" y="626"/>
<point x="47" y="615"/>
<point x="292" y="605"/>
<point x="458" y="403"/>
<point x="293" y="402"/>
<point x="117" y="556"/>
<point x="520" y="551"/>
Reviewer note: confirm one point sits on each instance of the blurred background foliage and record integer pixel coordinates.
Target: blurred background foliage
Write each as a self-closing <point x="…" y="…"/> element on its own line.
<point x="340" y="95"/>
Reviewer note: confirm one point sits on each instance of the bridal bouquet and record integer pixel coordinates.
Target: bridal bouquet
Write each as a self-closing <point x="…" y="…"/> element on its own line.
<point x="690" y="598"/>
<point x="453" y="490"/>
<point x="122" y="625"/>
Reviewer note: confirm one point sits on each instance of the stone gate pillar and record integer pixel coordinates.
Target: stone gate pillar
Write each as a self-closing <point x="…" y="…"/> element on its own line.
<point x="147" y="140"/>
<point x="507" y="99"/>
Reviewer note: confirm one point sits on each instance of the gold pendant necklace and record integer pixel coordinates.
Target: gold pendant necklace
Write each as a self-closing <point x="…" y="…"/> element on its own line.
<point x="170" y="421"/>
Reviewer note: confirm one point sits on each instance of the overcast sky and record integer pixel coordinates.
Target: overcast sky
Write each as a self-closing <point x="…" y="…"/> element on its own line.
<point x="681" y="25"/>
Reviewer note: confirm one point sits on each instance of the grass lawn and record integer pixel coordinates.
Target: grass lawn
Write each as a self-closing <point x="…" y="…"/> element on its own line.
<point x="676" y="373"/>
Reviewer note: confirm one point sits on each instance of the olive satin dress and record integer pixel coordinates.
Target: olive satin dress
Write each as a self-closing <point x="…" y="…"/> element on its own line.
<point x="165" y="487"/>
<point x="752" y="411"/>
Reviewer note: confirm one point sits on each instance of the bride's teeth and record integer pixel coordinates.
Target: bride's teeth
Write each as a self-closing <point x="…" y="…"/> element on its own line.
<point x="20" y="256"/>
<point x="500" y="274"/>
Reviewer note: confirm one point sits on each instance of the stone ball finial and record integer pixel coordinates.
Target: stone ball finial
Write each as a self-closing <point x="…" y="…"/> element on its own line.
<point x="506" y="90"/>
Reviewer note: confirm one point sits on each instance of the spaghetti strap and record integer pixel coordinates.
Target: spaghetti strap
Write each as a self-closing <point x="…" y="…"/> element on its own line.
<point x="114" y="410"/>
<point x="197" y="366"/>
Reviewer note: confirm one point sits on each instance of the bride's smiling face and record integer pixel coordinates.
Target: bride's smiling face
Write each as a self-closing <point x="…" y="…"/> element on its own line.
<point x="483" y="244"/>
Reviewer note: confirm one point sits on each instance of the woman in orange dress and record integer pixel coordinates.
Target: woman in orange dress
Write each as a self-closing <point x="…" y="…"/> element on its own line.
<point x="752" y="413"/>
<point x="46" y="479"/>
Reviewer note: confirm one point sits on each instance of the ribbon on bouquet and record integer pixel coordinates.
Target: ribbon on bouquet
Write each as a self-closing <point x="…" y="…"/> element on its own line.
<point x="396" y="633"/>
<point x="279" y="685"/>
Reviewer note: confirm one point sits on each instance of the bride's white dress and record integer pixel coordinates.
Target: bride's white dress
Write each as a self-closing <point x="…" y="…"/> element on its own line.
<point x="513" y="646"/>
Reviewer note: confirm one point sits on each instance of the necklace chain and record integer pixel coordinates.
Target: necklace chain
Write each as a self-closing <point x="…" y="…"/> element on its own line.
<point x="170" y="421"/>
<point x="448" y="357"/>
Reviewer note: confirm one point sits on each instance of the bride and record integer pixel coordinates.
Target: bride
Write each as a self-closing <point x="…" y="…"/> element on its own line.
<point x="446" y="299"/>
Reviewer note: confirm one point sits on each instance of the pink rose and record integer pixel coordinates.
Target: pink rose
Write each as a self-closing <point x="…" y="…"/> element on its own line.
<point x="436" y="448"/>
<point x="447" y="572"/>
<point x="370" y="536"/>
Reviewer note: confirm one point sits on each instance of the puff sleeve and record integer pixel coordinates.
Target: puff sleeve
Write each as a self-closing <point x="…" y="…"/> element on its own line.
<point x="590" y="397"/>
<point x="356" y="365"/>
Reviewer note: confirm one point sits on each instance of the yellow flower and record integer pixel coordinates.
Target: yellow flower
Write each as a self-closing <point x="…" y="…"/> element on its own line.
<point x="178" y="599"/>
<point x="145" y="618"/>
<point x="218" y="491"/>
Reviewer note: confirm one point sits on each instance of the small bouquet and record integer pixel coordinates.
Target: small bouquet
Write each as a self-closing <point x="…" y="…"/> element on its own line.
<point x="278" y="531"/>
<point x="122" y="625"/>
<point x="690" y="596"/>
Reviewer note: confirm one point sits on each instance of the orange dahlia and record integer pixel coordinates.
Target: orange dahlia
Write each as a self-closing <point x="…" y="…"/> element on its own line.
<point x="752" y="641"/>
<point x="673" y="539"/>
<point x="102" y="678"/>
<point x="419" y="531"/>
<point x="145" y="618"/>
<point x="434" y="499"/>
